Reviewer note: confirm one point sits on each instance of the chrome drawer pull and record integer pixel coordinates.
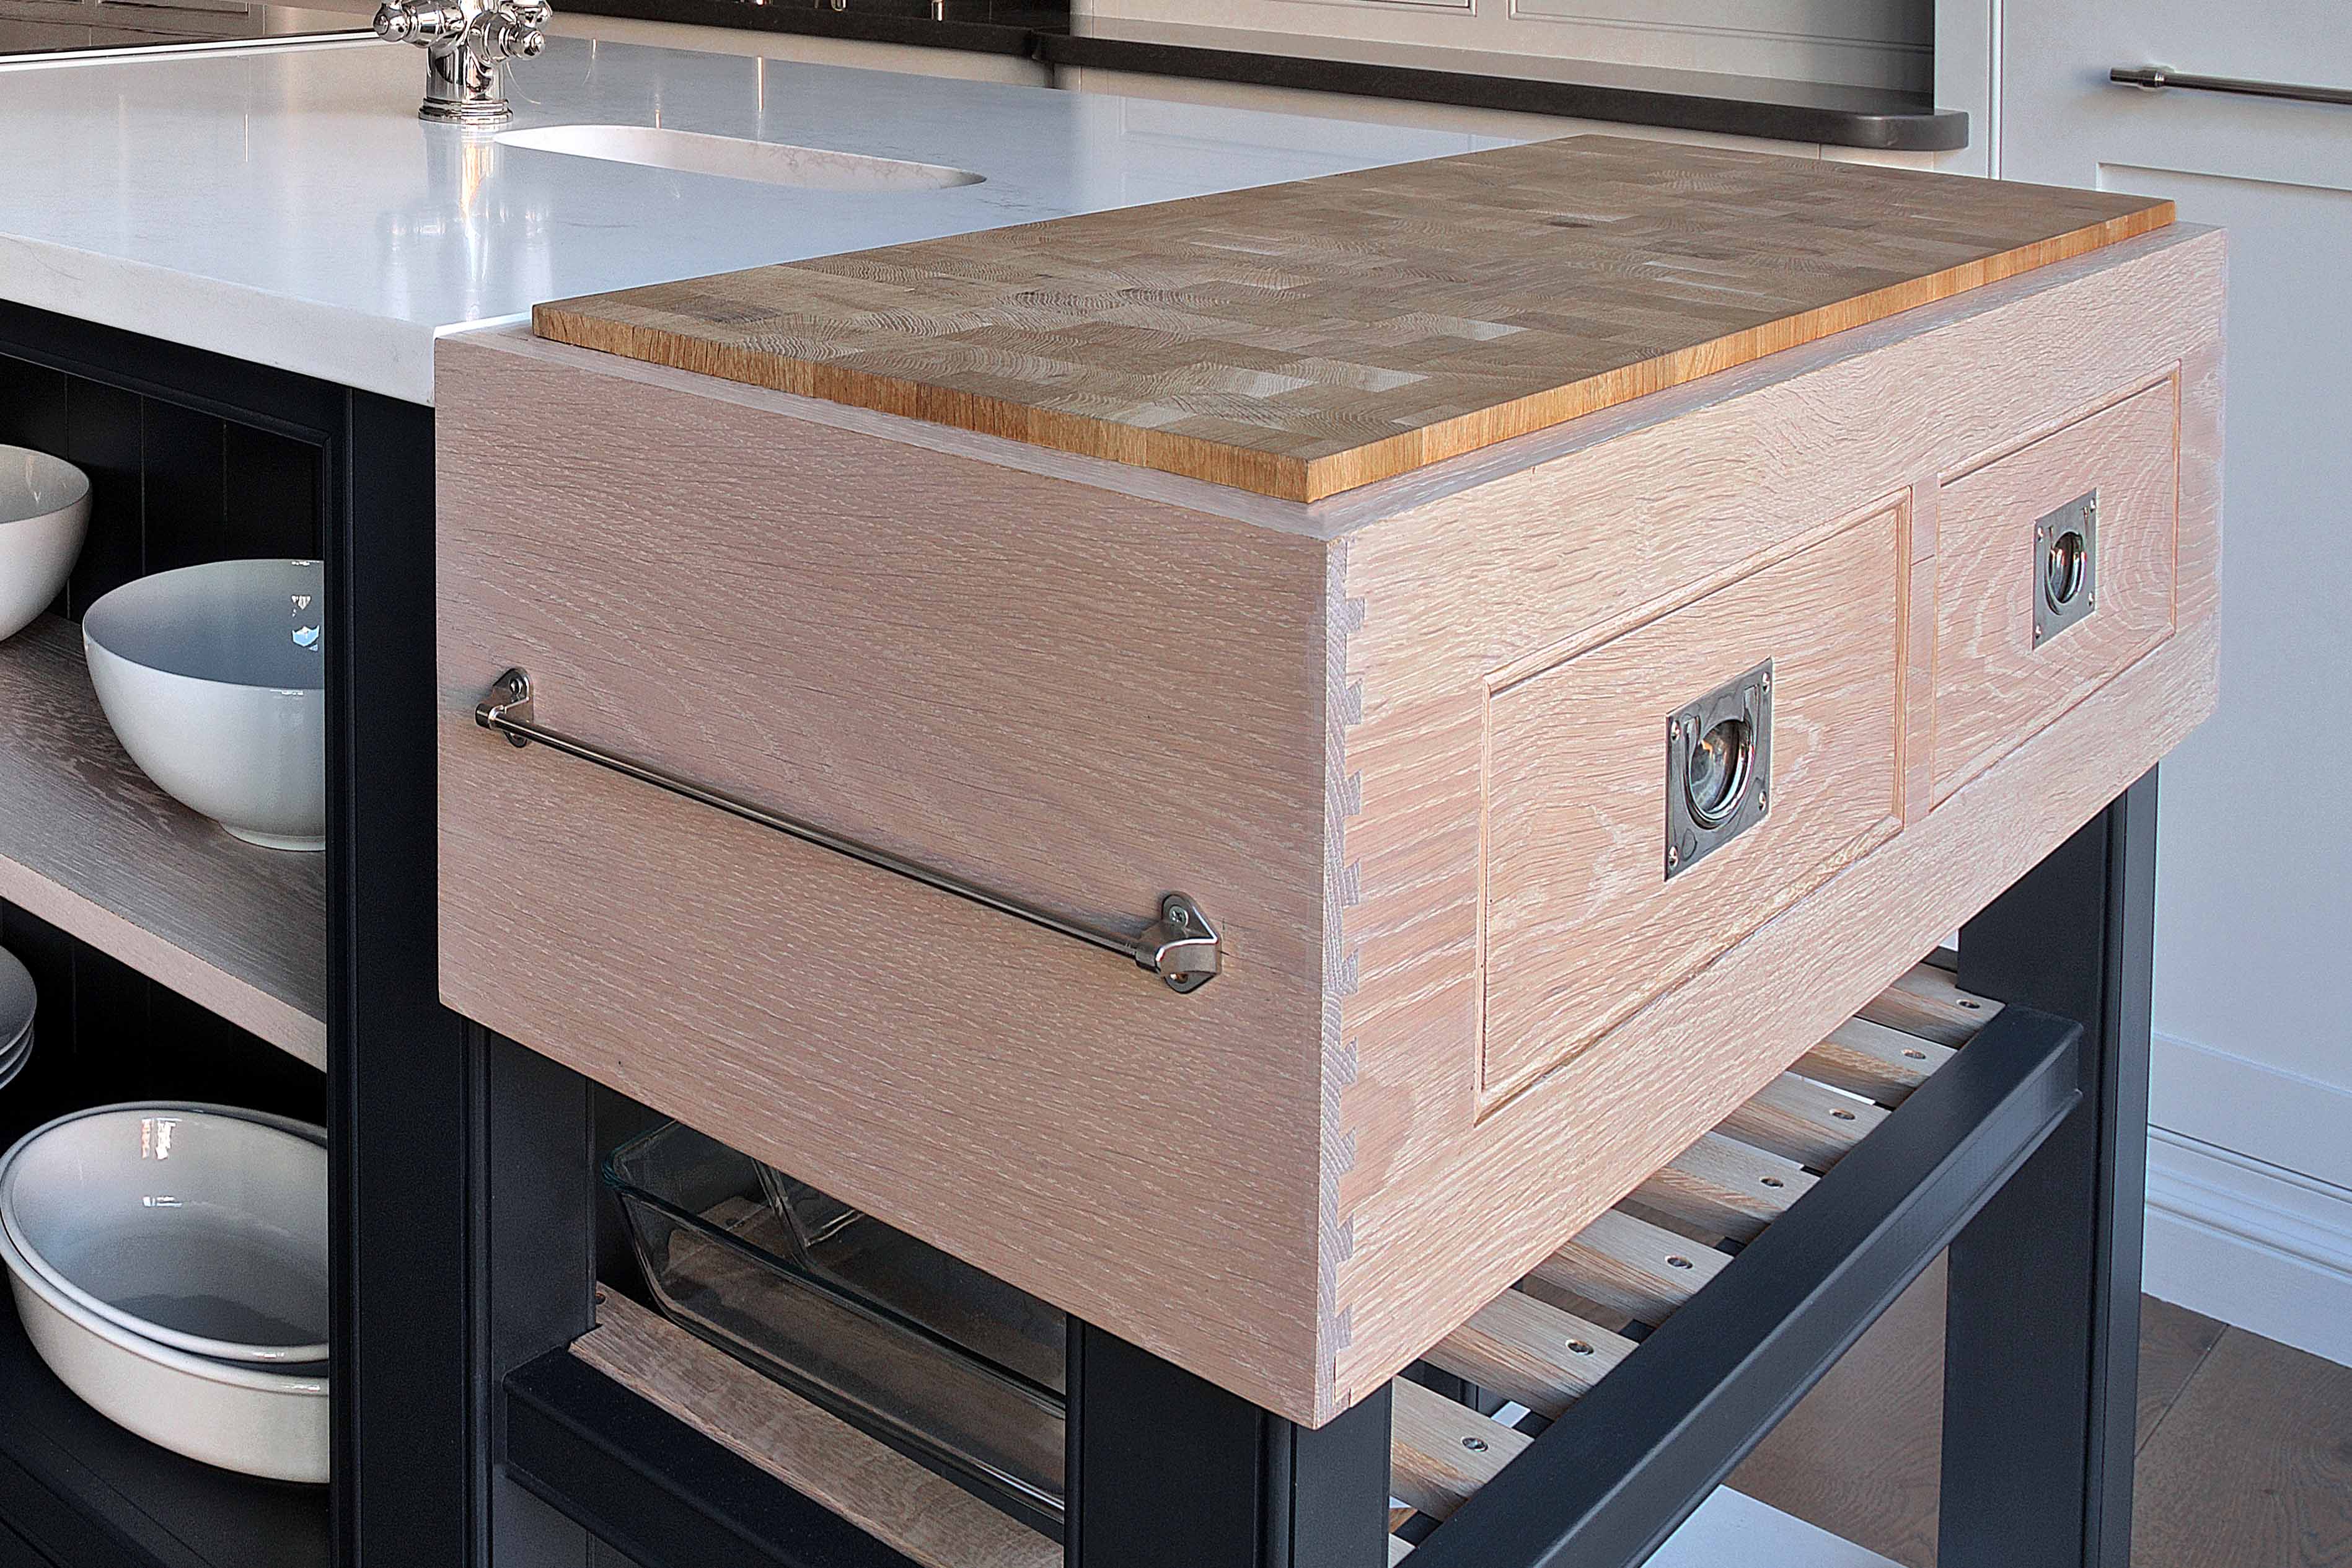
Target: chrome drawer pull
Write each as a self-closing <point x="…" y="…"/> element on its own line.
<point x="1182" y="946"/>
<point x="2163" y="76"/>
<point x="1718" y="768"/>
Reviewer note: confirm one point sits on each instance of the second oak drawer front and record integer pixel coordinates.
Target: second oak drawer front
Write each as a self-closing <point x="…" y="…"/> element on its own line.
<point x="1603" y="884"/>
<point x="2053" y="573"/>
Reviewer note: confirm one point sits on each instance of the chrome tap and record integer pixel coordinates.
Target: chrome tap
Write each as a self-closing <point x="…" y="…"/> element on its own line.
<point x="466" y="45"/>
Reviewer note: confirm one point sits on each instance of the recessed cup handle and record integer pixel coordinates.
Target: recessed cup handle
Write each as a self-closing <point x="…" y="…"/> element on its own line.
<point x="2066" y="586"/>
<point x="1718" y="768"/>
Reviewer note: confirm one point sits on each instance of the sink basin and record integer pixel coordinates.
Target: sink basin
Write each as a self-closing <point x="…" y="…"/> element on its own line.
<point x="735" y="158"/>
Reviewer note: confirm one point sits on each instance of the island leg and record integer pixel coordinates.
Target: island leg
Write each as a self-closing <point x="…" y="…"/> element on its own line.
<point x="1167" y="1470"/>
<point x="2043" y="1332"/>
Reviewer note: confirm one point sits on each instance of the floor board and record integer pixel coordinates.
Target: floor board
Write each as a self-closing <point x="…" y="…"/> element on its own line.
<point x="2253" y="1468"/>
<point x="1861" y="1457"/>
<point x="2173" y="1343"/>
<point x="2245" y="1444"/>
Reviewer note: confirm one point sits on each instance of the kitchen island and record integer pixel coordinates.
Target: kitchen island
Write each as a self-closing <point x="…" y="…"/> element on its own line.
<point x="1416" y="740"/>
<point x="221" y="281"/>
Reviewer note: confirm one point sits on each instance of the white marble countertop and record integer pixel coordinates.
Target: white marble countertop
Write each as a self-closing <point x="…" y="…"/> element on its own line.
<point x="288" y="208"/>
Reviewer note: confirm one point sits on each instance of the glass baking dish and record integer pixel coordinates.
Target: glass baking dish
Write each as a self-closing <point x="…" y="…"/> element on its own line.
<point x="723" y="1262"/>
<point x="1002" y="1324"/>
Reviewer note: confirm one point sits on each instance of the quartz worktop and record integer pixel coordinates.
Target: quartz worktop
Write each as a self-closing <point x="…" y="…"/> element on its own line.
<point x="287" y="207"/>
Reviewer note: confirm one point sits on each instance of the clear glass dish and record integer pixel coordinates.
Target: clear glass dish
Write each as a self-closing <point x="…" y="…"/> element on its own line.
<point x="1002" y="1324"/>
<point x="722" y="1262"/>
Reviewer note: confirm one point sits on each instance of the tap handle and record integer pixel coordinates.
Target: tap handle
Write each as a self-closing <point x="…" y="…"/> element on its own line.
<point x="517" y="29"/>
<point x="415" y="21"/>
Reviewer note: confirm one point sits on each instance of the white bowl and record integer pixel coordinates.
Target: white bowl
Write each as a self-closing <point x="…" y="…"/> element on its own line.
<point x="18" y="1000"/>
<point x="200" y="1228"/>
<point x="44" y="514"/>
<point x="255" y="1420"/>
<point x="248" y="1419"/>
<point x="215" y="679"/>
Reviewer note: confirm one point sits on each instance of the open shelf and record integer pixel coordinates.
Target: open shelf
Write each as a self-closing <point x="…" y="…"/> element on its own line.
<point x="911" y="1515"/>
<point x="88" y="844"/>
<point x="79" y="1490"/>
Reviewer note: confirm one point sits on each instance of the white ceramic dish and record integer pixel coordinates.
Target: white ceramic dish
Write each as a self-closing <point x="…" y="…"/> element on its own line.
<point x="215" y="679"/>
<point x="14" y="1059"/>
<point x="203" y="1228"/>
<point x="44" y="515"/>
<point x="18" y="1002"/>
<point x="19" y="999"/>
<point x="248" y="1419"/>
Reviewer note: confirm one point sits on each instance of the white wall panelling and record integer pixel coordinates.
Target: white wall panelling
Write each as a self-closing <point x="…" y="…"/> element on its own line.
<point x="2251" y="1194"/>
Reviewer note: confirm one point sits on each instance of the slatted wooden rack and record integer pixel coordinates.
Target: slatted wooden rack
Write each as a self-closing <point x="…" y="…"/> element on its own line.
<point x="1574" y="1321"/>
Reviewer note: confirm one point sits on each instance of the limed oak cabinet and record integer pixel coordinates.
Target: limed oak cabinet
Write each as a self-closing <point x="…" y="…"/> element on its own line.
<point x="1547" y="797"/>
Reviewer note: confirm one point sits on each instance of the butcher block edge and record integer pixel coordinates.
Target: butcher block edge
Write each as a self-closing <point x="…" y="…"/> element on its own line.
<point x="785" y="327"/>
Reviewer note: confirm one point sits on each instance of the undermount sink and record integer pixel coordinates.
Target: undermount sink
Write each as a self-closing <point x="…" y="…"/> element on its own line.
<point x="736" y="158"/>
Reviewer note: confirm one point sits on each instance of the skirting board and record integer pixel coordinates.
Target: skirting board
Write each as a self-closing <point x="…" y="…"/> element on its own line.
<point x="2267" y="1250"/>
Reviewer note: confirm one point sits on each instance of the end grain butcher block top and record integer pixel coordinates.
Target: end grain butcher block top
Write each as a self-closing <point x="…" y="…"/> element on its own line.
<point x="1304" y="338"/>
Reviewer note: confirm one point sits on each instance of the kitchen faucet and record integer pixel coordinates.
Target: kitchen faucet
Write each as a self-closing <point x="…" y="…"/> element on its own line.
<point x="466" y="44"/>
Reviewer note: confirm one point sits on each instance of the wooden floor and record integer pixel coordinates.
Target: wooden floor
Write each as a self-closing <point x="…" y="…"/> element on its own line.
<point x="2245" y="1445"/>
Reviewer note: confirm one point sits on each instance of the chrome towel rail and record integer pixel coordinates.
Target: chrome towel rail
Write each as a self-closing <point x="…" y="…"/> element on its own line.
<point x="2163" y="76"/>
<point x="1182" y="946"/>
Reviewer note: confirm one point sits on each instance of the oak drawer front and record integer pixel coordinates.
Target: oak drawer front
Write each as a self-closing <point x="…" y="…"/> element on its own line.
<point x="2093" y="508"/>
<point x="1584" y="920"/>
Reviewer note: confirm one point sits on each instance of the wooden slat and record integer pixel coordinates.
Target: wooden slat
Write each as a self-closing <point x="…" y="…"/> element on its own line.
<point x="882" y="1492"/>
<point x="1929" y="1003"/>
<point x="1441" y="1453"/>
<point x="1303" y="339"/>
<point x="1873" y="1060"/>
<point x="1631" y="1267"/>
<point x="1725" y="1187"/>
<point x="88" y="844"/>
<point x="1534" y="1353"/>
<point x="1799" y="1119"/>
<point x="1399" y="1548"/>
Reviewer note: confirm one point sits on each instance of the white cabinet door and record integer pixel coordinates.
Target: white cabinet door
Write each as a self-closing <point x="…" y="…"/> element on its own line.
<point x="2256" y="884"/>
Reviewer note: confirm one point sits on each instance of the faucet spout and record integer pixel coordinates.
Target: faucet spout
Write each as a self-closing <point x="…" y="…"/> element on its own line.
<point x="466" y="45"/>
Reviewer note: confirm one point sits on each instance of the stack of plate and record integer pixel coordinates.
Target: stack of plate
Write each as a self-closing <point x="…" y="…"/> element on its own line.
<point x="169" y="1263"/>
<point x="16" y="1007"/>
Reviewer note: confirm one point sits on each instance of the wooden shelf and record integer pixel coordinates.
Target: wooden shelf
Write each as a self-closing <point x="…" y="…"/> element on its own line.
<point x="88" y="844"/>
<point x="79" y="1490"/>
<point x="929" y="1519"/>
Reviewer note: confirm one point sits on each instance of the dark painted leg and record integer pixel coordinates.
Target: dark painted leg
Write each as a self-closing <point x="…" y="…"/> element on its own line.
<point x="407" y="1445"/>
<point x="1169" y="1471"/>
<point x="2043" y="1341"/>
